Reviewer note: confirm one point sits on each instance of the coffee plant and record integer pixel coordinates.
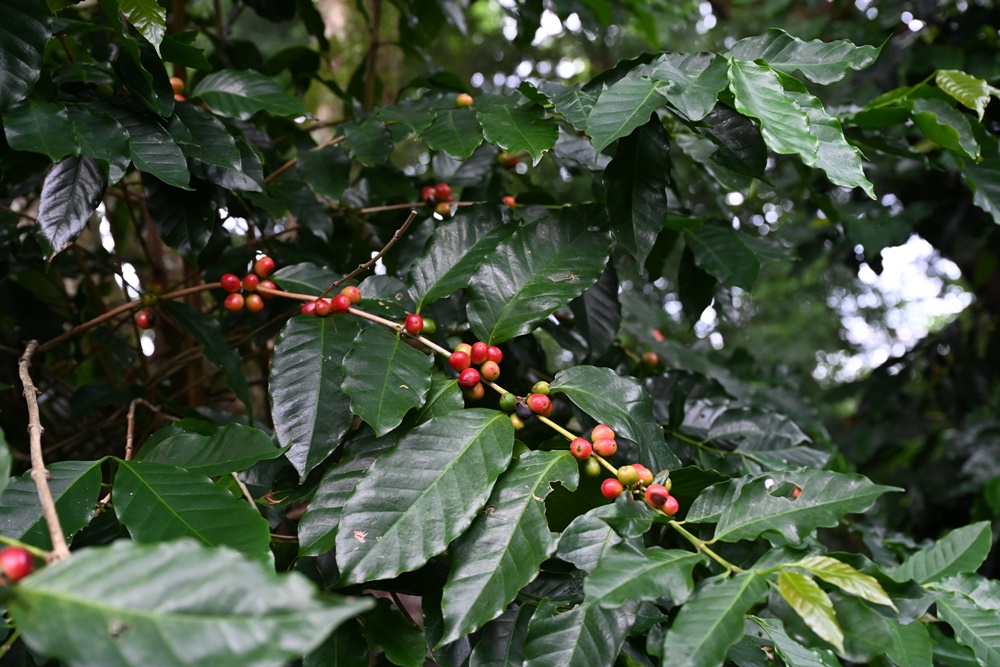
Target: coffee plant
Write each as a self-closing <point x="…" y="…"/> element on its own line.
<point x="329" y="358"/>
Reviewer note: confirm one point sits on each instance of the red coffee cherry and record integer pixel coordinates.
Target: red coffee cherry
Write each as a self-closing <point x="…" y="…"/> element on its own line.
<point x="796" y="492"/>
<point x="233" y="302"/>
<point x="308" y="308"/>
<point x="459" y="361"/>
<point x="476" y="393"/>
<point x="263" y="266"/>
<point x="651" y="359"/>
<point x="414" y="324"/>
<point x="493" y="353"/>
<point x="427" y="194"/>
<point x="581" y="448"/>
<point x="254" y="303"/>
<point x="352" y="293"/>
<point x="671" y="506"/>
<point x="602" y="431"/>
<point x="490" y="371"/>
<point x="231" y="282"/>
<point x="645" y="474"/>
<point x="16" y="563"/>
<point x="463" y="100"/>
<point x="177" y="85"/>
<point x="267" y="284"/>
<point x="468" y="378"/>
<point x="611" y="488"/>
<point x="443" y="192"/>
<point x="464" y="347"/>
<point x="250" y="282"/>
<point x="509" y="201"/>
<point x="322" y="307"/>
<point x="656" y="495"/>
<point x="145" y="319"/>
<point x="539" y="403"/>
<point x="479" y="352"/>
<point x="605" y="447"/>
<point x="339" y="304"/>
<point x="628" y="475"/>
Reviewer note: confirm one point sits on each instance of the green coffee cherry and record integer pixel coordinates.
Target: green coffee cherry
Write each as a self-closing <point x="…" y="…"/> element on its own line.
<point x="508" y="401"/>
<point x="541" y="388"/>
<point x="591" y="467"/>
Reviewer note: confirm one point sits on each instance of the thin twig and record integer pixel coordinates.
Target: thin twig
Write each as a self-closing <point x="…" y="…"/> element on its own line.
<point x="39" y="474"/>
<point x="291" y="163"/>
<point x="246" y="492"/>
<point x="130" y="430"/>
<point x="370" y="263"/>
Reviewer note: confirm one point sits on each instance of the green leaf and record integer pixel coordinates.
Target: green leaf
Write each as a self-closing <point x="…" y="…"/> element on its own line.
<point x="75" y="486"/>
<point x="637" y="180"/>
<point x="573" y="104"/>
<point x="444" y="396"/>
<point x="148" y="17"/>
<point x="969" y="91"/>
<point x="759" y="94"/>
<point x="423" y="494"/>
<point x="983" y="179"/>
<point x="310" y="410"/>
<point x="305" y="278"/>
<point x="826" y="497"/>
<point x="70" y="193"/>
<point x="502" y="550"/>
<point x="203" y="137"/>
<point x="541" y="268"/>
<point x="868" y="634"/>
<point x="385" y="378"/>
<point x="454" y="131"/>
<point x="740" y="148"/>
<point x="984" y="592"/>
<point x="622" y="403"/>
<point x="792" y="652"/>
<point x="693" y="81"/>
<point x="587" y="538"/>
<point x="158" y="503"/>
<point x="327" y="170"/>
<point x="501" y="641"/>
<point x="622" y="108"/>
<point x="152" y="148"/>
<point x="711" y="621"/>
<point x="242" y="93"/>
<point x="722" y="252"/>
<point x="819" y="61"/>
<point x="813" y="605"/>
<point x="518" y="129"/>
<point x="40" y="127"/>
<point x="245" y="175"/>
<point x="625" y="574"/>
<point x="184" y="218"/>
<point x="772" y="440"/>
<point x="178" y="48"/>
<point x="456" y="249"/>
<point x="346" y="647"/>
<point x="102" y="138"/>
<point x="946" y="126"/>
<point x="402" y="643"/>
<point x="586" y="636"/>
<point x="368" y="140"/>
<point x="25" y="27"/>
<point x="203" y="448"/>
<point x="597" y="315"/>
<point x="178" y="604"/>
<point x="5" y="460"/>
<point x="846" y="578"/>
<point x="962" y="550"/>
<point x="974" y="626"/>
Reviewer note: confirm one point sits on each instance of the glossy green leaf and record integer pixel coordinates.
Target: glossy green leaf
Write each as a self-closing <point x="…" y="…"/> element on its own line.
<point x="423" y="494"/>
<point x="868" y="634"/>
<point x="759" y="94"/>
<point x="148" y="17"/>
<point x="40" y="127"/>
<point x="586" y="636"/>
<point x="722" y="252"/>
<point x="102" y="138"/>
<point x="693" y="81"/>
<point x="819" y="61"/>
<point x="385" y="378"/>
<point x="518" y="129"/>
<point x="501" y="642"/>
<point x="774" y="441"/>
<point x="456" y="249"/>
<point x="310" y="410"/>
<point x="541" y="268"/>
<point x="178" y="604"/>
<point x="573" y="104"/>
<point x="622" y="403"/>
<point x="846" y="578"/>
<point x="946" y="126"/>
<point x="158" y="503"/>
<point x="25" y="27"/>
<point x="597" y="315"/>
<point x="507" y="542"/>
<point x="962" y="550"/>
<point x="984" y="592"/>
<point x="974" y="626"/>
<point x="244" y="175"/>
<point x="826" y="497"/>
<point x="70" y="194"/>
<point x="454" y="131"/>
<point x="203" y="137"/>
<point x="444" y="396"/>
<point x="739" y="146"/>
<point x="813" y="605"/>
<point x="304" y="278"/>
<point x="983" y="178"/>
<point x="203" y="448"/>
<point x="637" y="180"/>
<point x="368" y="140"/>
<point x="711" y="621"/>
<point x="346" y="647"/>
<point x="587" y="538"/>
<point x="153" y="150"/>
<point x="792" y="652"/>
<point x="622" y="108"/>
<point x="242" y="93"/>
<point x="179" y="48"/>
<point x="401" y="643"/>
<point x="625" y="574"/>
<point x="969" y="91"/>
<point x="327" y="169"/>
<point x="75" y="486"/>
<point x="184" y="218"/>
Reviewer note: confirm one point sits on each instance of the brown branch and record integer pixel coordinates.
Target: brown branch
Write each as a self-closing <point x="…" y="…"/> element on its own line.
<point x="370" y="263"/>
<point x="39" y="475"/>
<point x="130" y="430"/>
<point x="246" y="493"/>
<point x="291" y="163"/>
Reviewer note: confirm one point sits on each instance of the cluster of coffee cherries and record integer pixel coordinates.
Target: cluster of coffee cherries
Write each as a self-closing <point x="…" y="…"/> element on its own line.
<point x="465" y="356"/>
<point x="438" y="196"/>
<point x="244" y="292"/>
<point x="522" y="409"/>
<point x="341" y="303"/>
<point x="16" y="563"/>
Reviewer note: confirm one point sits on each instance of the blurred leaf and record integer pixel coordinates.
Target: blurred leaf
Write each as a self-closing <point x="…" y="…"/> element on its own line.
<point x="346" y="647"/>
<point x="586" y="636"/>
<point x="518" y="129"/>
<point x="454" y="131"/>
<point x="242" y="93"/>
<point x="40" y="127"/>
<point x="622" y="108"/>
<point x="148" y="18"/>
<point x="625" y="574"/>
<point x="819" y="61"/>
<point x="962" y="550"/>
<point x="402" y="643"/>
<point x="327" y="170"/>
<point x="24" y="30"/>
<point x="721" y="252"/>
<point x="946" y="126"/>
<point x="693" y="82"/>
<point x="969" y="91"/>
<point x="846" y="578"/>
<point x="5" y="460"/>
<point x="813" y="605"/>
<point x="983" y="178"/>
<point x="206" y="449"/>
<point x="71" y="192"/>
<point x="501" y="642"/>
<point x="868" y="634"/>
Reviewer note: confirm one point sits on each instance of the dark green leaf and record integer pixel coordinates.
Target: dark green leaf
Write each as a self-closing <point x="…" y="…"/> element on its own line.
<point x="946" y="126"/>
<point x="40" y="127"/>
<point x="304" y="278"/>
<point x="983" y="179"/>
<point x="246" y="175"/>
<point x="573" y="104"/>
<point x="597" y="315"/>
<point x="346" y="647"/>
<point x="741" y="149"/>
<point x="760" y="95"/>
<point x="368" y="140"/>
<point x="868" y="634"/>
<point x="974" y="626"/>
<point x="813" y="605"/>
<point x="5" y="460"/>
<point x="721" y="252"/>
<point x="70" y="193"/>
<point x="402" y="643"/>
<point x="501" y="641"/>
<point x="242" y="93"/>
<point x="622" y="108"/>
<point x="148" y="17"/>
<point x="792" y="652"/>
<point x="693" y="82"/>
<point x="518" y="129"/>
<point x="820" y="62"/>
<point x="455" y="131"/>
<point x="185" y="219"/>
<point x="203" y="137"/>
<point x="178" y="48"/>
<point x="625" y="574"/>
<point x="587" y="538"/>
<point x="25" y="27"/>
<point x="443" y="397"/>
<point x="153" y="150"/>
<point x="962" y="550"/>
<point x="327" y="170"/>
<point x="205" y="449"/>
<point x="102" y="138"/>
<point x="586" y="636"/>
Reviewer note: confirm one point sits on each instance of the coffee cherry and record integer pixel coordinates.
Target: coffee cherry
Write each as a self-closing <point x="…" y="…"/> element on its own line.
<point x="430" y="326"/>
<point x="581" y="448"/>
<point x="340" y="304"/>
<point x="443" y="209"/>
<point x="628" y="475"/>
<point x="459" y="361"/>
<point x="656" y="495"/>
<point x="645" y="474"/>
<point x="443" y="192"/>
<point x="611" y="488"/>
<point x="267" y="284"/>
<point x="464" y="347"/>
<point x="250" y="282"/>
<point x="352" y="293"/>
<point x="231" y="282"/>
<point x="490" y="371"/>
<point x="16" y="563"/>
<point x="517" y="422"/>
<point x="523" y="411"/>
<point x="493" y="353"/>
<point x="263" y="266"/>
<point x="796" y="492"/>
<point x="254" y="303"/>
<point x="651" y="359"/>
<point x="463" y="100"/>
<point x="549" y="411"/>
<point x="479" y="351"/>
<point x="427" y="194"/>
<point x="591" y="468"/>
<point x="308" y="308"/>
<point x="601" y="431"/>
<point x="322" y="307"/>
<point x="468" y="378"/>
<point x="507" y="160"/>
<point x="508" y="401"/>
<point x="233" y="302"/>
<point x="539" y="403"/>
<point x="414" y="324"/>
<point x="541" y="388"/>
<point x="145" y="319"/>
<point x="509" y="201"/>
<point x="149" y="299"/>
<point x="671" y="506"/>
<point x="476" y="393"/>
<point x="105" y="90"/>
<point x="605" y="446"/>
<point x="177" y="84"/>
<point x="179" y="98"/>
<point x="668" y="484"/>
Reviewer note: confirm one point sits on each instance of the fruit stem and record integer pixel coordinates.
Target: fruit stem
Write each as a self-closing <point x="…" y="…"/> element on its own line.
<point x="34" y="551"/>
<point x="700" y="545"/>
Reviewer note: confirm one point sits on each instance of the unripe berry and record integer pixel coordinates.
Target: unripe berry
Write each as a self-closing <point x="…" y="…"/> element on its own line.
<point x="581" y="448"/>
<point x="611" y="488"/>
<point x="591" y="468"/>
<point x="490" y="371"/>
<point x="414" y="324"/>
<point x="493" y="353"/>
<point x="463" y="100"/>
<point x="517" y="422"/>
<point x="601" y="431"/>
<point x="464" y="347"/>
<point x="443" y="209"/>
<point x="656" y="495"/>
<point x="427" y="194"/>
<point x="339" y="304"/>
<point x="468" y="378"/>
<point x="254" y="303"/>
<point x="605" y="447"/>
<point x="507" y="160"/>
<point x="352" y="293"/>
<point x="231" y="282"/>
<point x="539" y="403"/>
<point x="479" y="350"/>
<point x="508" y="401"/>
<point x="16" y="563"/>
<point x="322" y="307"/>
<point x="443" y="192"/>
<point x="263" y="266"/>
<point x="459" y="361"/>
<point x="250" y="282"/>
<point x="145" y="319"/>
<point x="149" y="299"/>
<point x="651" y="359"/>
<point x="645" y="474"/>
<point x="308" y="308"/>
<point x="541" y="388"/>
<point x="267" y="284"/>
<point x="523" y="411"/>
<point x="671" y="506"/>
<point x="430" y="326"/>
<point x="668" y="484"/>
<point x="233" y="302"/>
<point x="628" y="475"/>
<point x="476" y="393"/>
<point x="509" y="201"/>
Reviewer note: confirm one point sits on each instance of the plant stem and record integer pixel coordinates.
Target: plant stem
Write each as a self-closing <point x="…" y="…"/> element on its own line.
<point x="702" y="546"/>
<point x="374" y="260"/>
<point x="34" y="551"/>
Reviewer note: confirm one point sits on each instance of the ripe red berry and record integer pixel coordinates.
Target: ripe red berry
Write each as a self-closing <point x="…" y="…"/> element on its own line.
<point x="509" y="201"/>
<point x="479" y="351"/>
<point x="178" y="97"/>
<point x="463" y="100"/>
<point x="352" y="293"/>
<point x="231" y="282"/>
<point x="493" y="353"/>
<point x="490" y="371"/>
<point x="254" y="303"/>
<point x="442" y="192"/>
<point x="267" y="284"/>
<point x="459" y="361"/>
<point x="414" y="324"/>
<point x="628" y="475"/>
<point x="605" y="446"/>
<point x="645" y="474"/>
<point x="796" y="492"/>
<point x="671" y="506"/>
<point x="611" y="488"/>
<point x="177" y="85"/>
<point x="427" y="194"/>
<point x="656" y="495"/>
<point x="340" y="304"/>
<point x="601" y="431"/>
<point x="250" y="282"/>
<point x="538" y="403"/>
<point x="464" y="347"/>
<point x="16" y="563"/>
<point x="550" y="410"/>
<point x="233" y="302"/>
<point x="322" y="307"/>
<point x="469" y="378"/>
<point x="651" y="359"/>
<point x="308" y="308"/>
<point x="145" y="319"/>
<point x="507" y="160"/>
<point x="580" y="448"/>
<point x="476" y="393"/>
<point x="263" y="266"/>
<point x="443" y="209"/>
